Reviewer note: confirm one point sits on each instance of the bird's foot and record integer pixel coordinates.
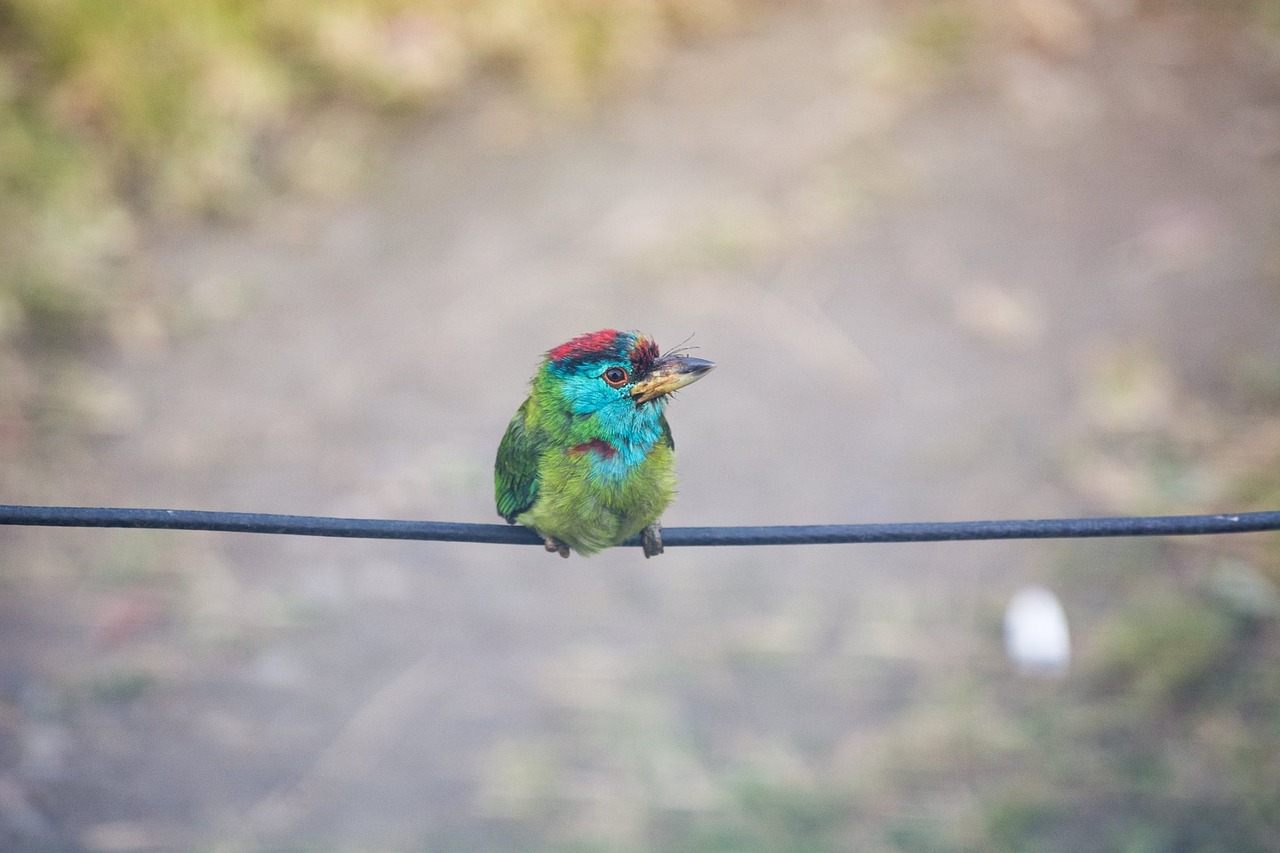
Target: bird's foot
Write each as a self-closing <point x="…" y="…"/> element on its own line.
<point x="651" y="540"/>
<point x="555" y="546"/>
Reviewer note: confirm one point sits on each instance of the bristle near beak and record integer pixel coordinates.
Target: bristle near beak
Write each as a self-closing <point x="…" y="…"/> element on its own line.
<point x="670" y="373"/>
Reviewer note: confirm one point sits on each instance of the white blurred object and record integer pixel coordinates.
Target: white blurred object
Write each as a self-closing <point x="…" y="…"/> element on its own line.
<point x="1035" y="633"/>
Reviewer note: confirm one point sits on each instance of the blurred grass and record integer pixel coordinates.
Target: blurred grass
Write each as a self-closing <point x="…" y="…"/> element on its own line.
<point x="116" y="114"/>
<point x="1167" y="734"/>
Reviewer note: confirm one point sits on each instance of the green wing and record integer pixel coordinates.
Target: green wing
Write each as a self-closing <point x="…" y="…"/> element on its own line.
<point x="515" y="474"/>
<point x="667" y="438"/>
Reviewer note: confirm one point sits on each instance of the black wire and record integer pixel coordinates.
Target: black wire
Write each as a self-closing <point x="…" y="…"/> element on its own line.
<point x="809" y="534"/>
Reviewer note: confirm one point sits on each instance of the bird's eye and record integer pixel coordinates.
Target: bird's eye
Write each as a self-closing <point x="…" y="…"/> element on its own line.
<point x="616" y="377"/>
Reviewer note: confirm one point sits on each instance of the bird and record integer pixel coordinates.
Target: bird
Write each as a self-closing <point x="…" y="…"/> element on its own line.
<point x="588" y="460"/>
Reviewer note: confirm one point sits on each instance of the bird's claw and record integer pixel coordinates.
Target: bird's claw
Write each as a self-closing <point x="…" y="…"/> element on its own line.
<point x="651" y="540"/>
<point x="555" y="546"/>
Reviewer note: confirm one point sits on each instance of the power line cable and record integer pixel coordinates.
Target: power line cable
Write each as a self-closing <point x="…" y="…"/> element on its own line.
<point x="500" y="534"/>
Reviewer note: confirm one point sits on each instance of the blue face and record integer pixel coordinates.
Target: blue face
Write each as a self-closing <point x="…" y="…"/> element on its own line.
<point x="591" y="386"/>
<point x="601" y="390"/>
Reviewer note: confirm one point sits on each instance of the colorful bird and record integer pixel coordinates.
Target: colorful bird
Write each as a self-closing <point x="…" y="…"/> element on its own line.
<point x="588" y="460"/>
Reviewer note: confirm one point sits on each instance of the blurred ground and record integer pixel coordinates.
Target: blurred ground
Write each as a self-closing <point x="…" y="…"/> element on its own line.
<point x="928" y="293"/>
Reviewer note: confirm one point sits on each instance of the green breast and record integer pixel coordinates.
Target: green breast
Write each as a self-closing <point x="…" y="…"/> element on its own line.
<point x="589" y="513"/>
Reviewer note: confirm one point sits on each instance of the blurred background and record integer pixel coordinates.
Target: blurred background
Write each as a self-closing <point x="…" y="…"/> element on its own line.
<point x="956" y="259"/>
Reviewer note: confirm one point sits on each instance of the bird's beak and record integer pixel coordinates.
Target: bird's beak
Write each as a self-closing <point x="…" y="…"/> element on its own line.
<point x="670" y="373"/>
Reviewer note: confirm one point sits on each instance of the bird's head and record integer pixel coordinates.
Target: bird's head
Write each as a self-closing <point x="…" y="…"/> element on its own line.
<point x="604" y="369"/>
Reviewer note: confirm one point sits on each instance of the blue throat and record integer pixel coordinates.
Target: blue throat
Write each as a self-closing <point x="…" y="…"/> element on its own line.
<point x="632" y="431"/>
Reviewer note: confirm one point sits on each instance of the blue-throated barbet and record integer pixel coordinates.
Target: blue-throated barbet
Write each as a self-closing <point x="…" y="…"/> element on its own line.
<point x="588" y="460"/>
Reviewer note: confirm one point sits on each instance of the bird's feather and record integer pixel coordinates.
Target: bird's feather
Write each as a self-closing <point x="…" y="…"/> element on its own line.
<point x="588" y="460"/>
<point x="516" y="471"/>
